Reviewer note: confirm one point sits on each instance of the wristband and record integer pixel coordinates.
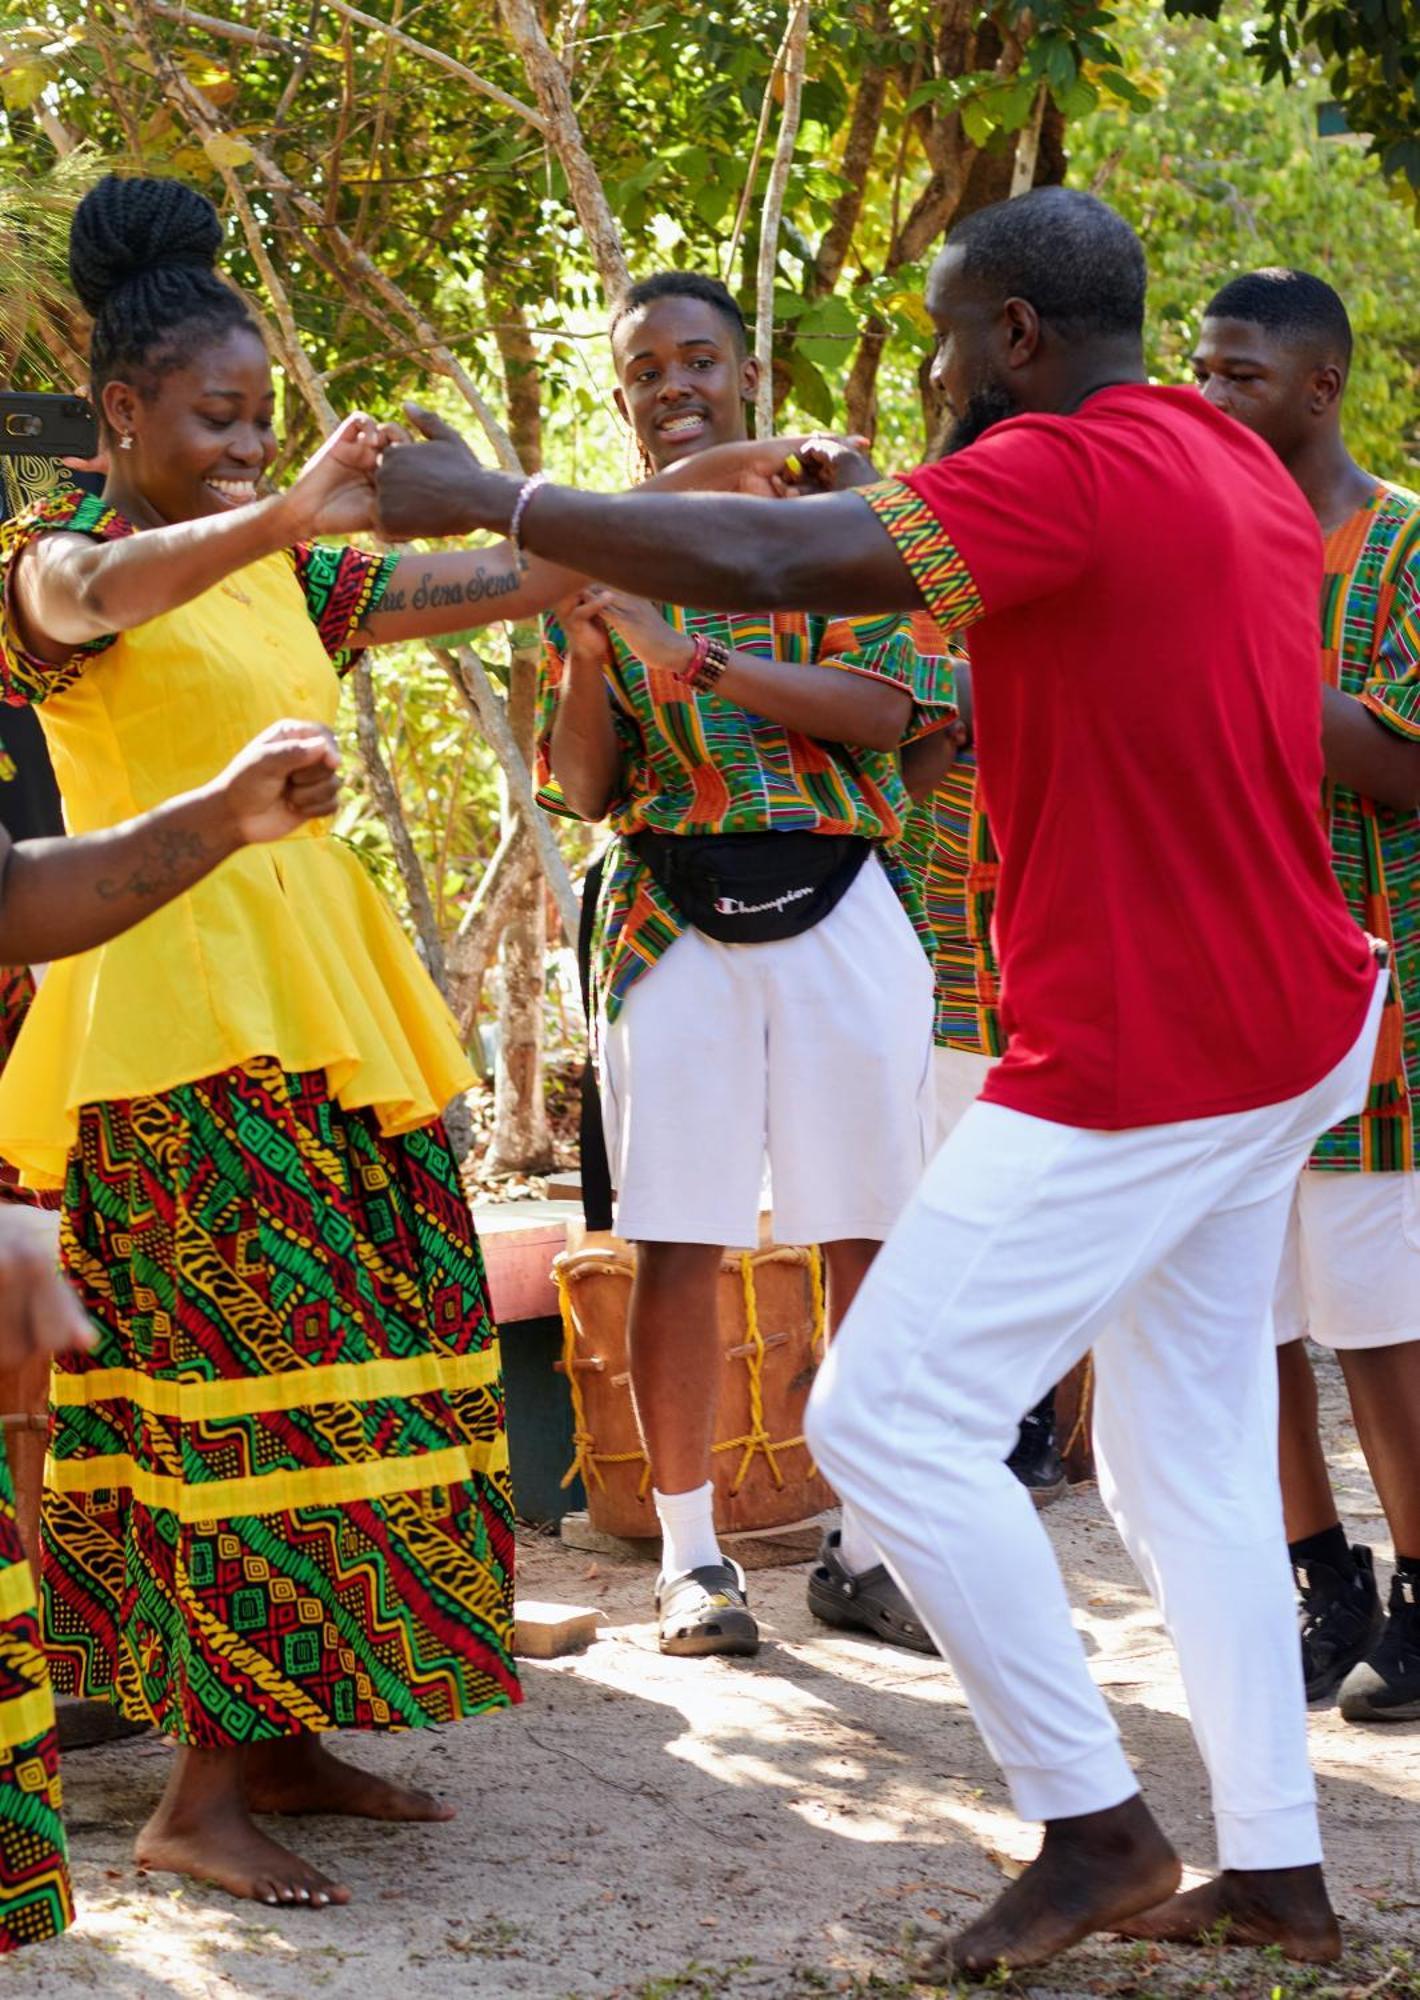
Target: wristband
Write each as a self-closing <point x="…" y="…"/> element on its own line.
<point x="520" y="508"/>
<point x="689" y="673"/>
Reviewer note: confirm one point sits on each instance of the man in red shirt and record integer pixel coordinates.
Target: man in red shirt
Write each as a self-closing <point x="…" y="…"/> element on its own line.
<point x="1188" y="1004"/>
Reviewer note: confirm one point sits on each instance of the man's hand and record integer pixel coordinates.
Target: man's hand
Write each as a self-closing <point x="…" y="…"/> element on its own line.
<point x="286" y="776"/>
<point x="437" y="487"/>
<point x="334" y="492"/>
<point x="39" y="1313"/>
<point x="834" y="464"/>
<point x="638" y="622"/>
<point x="766" y="468"/>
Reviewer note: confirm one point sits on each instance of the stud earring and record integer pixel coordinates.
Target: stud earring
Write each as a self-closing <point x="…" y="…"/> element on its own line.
<point x="125" y="443"/>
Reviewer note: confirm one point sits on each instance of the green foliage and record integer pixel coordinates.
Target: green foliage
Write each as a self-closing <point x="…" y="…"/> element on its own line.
<point x="1225" y="175"/>
<point x="1369" y="51"/>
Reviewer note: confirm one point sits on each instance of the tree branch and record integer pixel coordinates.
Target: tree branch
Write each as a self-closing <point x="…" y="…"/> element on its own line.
<point x="564" y="135"/>
<point x="428" y="53"/>
<point x="855" y="165"/>
<point x="796" y="41"/>
<point x="470" y="677"/>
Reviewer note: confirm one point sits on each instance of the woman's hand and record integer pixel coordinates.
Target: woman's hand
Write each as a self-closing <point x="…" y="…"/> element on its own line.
<point x="286" y="776"/>
<point x="39" y="1313"/>
<point x="334" y="492"/>
<point x="637" y="621"/>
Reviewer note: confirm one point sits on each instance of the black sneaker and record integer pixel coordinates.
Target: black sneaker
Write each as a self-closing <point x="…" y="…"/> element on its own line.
<point x="1385" y="1686"/>
<point x="1340" y="1617"/>
<point x="1034" y="1459"/>
<point x="705" y="1611"/>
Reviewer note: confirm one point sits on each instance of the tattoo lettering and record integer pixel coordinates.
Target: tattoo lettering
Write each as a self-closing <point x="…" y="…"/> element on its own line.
<point x="173" y="860"/>
<point x="483" y="583"/>
<point x="393" y="600"/>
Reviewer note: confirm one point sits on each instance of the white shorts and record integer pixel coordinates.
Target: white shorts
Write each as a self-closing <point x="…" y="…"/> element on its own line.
<point x="1350" y="1272"/>
<point x="958" y="1076"/>
<point x="813" y="1050"/>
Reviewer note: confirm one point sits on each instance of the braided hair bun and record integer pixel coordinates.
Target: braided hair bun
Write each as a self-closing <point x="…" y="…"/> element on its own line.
<point x="126" y="230"/>
<point x="142" y="258"/>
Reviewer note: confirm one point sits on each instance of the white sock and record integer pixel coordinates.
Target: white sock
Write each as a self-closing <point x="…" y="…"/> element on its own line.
<point x="856" y="1551"/>
<point x="687" y="1530"/>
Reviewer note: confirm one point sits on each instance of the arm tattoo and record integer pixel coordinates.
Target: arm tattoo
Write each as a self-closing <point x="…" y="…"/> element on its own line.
<point x="481" y="583"/>
<point x="173" y="859"/>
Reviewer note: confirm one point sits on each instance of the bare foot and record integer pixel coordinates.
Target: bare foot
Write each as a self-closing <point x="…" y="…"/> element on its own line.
<point x="220" y="1845"/>
<point x="1091" y="1872"/>
<point x="299" y="1775"/>
<point x="1287" y="1907"/>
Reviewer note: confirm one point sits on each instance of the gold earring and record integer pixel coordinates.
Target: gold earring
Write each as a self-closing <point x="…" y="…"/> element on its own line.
<point x="125" y="443"/>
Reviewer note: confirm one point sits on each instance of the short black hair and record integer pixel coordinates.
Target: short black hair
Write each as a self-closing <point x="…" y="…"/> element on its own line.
<point x="1068" y="253"/>
<point x="684" y="285"/>
<point x="142" y="258"/>
<point x="1296" y="306"/>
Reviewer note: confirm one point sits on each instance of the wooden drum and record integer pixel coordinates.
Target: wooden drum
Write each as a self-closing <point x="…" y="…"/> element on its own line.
<point x="771" y="1337"/>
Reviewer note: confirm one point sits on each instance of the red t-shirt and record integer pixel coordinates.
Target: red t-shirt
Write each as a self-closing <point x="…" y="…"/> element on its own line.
<point x="1140" y="580"/>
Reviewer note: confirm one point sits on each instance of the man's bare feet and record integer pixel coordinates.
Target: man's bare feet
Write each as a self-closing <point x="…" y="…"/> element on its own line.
<point x="202" y="1829"/>
<point x="1286" y="1907"/>
<point x="1091" y="1872"/>
<point x="297" y="1774"/>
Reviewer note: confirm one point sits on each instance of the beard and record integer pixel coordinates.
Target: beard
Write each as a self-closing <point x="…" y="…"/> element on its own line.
<point x="991" y="404"/>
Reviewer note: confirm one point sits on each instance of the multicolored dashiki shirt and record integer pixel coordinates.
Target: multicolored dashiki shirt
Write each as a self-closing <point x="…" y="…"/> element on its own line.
<point x="946" y="847"/>
<point x="697" y="763"/>
<point x="1370" y="638"/>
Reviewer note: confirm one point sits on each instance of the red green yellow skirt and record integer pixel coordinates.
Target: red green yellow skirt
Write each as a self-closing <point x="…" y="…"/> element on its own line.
<point x="278" y="1494"/>
<point x="35" y="1900"/>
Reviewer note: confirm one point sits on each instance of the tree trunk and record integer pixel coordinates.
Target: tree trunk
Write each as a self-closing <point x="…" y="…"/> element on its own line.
<point x="522" y="1138"/>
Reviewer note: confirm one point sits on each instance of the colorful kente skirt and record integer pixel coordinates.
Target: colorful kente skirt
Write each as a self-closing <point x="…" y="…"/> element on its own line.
<point x="35" y="1901"/>
<point x="278" y="1497"/>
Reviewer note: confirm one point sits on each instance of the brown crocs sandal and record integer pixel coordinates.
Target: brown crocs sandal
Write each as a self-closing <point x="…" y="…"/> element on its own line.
<point x="704" y="1611"/>
<point x="868" y="1602"/>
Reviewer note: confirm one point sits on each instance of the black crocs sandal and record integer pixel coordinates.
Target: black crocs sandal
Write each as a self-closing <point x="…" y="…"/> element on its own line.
<point x="705" y="1611"/>
<point x="868" y="1602"/>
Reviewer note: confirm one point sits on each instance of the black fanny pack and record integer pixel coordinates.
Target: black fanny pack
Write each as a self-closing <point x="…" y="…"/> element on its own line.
<point x="751" y="888"/>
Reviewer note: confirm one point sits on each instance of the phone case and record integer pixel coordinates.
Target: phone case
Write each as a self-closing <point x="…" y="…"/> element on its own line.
<point x="47" y="426"/>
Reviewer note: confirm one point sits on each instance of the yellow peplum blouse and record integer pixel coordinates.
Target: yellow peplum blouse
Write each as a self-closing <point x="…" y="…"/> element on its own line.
<point x="286" y="950"/>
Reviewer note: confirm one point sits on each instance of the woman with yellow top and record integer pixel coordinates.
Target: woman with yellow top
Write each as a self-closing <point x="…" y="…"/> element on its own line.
<point x="278" y="1498"/>
<point x="60" y="896"/>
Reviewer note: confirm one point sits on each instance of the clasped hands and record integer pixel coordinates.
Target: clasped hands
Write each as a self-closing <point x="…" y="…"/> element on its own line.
<point x="372" y="476"/>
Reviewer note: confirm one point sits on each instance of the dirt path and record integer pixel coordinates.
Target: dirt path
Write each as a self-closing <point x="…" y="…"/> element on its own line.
<point x="651" y="1829"/>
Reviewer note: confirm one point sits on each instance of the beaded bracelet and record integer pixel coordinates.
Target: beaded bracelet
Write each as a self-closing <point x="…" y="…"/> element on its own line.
<point x="520" y="508"/>
<point x="708" y="666"/>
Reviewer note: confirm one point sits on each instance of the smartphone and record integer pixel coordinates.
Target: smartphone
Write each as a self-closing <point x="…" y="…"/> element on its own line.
<point x="40" y="426"/>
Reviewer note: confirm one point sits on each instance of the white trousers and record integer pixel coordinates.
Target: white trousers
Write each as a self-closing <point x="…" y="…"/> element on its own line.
<point x="1027" y="1243"/>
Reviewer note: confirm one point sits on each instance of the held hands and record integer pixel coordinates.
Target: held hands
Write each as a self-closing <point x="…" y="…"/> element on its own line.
<point x="637" y="621"/>
<point x="39" y="1314"/>
<point x="286" y="776"/>
<point x="334" y="492"/>
<point x="435" y="486"/>
<point x="773" y="468"/>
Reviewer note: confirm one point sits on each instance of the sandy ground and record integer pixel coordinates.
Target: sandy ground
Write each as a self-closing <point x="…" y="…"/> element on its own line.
<point x="652" y="1829"/>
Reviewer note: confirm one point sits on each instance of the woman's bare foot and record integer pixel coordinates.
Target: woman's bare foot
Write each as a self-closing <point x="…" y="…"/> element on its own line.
<point x="1091" y="1872"/>
<point x="1286" y="1907"/>
<point x="297" y="1774"/>
<point x="202" y="1829"/>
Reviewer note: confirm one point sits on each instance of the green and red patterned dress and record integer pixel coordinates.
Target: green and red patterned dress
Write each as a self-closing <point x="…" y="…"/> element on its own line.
<point x="277" y="1498"/>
